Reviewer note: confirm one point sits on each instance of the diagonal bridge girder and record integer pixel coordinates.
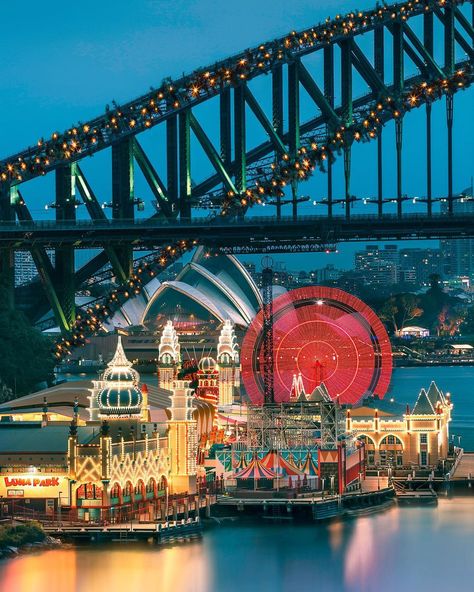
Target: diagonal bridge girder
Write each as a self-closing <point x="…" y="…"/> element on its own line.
<point x="247" y="164"/>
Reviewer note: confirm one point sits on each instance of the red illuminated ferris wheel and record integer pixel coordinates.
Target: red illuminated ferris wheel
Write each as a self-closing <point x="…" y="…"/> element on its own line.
<point x="326" y="335"/>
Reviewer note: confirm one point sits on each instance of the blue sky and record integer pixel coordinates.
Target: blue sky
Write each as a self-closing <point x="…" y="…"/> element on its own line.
<point x="62" y="63"/>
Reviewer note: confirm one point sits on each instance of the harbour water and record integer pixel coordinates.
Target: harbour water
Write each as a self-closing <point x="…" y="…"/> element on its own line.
<point x="410" y="548"/>
<point x="422" y="549"/>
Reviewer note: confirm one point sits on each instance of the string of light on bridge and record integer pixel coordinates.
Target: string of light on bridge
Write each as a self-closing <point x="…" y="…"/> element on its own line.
<point x="366" y="128"/>
<point x="172" y="96"/>
<point x="284" y="172"/>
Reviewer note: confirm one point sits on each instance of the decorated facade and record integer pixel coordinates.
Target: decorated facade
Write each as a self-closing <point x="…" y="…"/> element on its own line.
<point x="218" y="379"/>
<point x="183" y="438"/>
<point x="109" y="459"/>
<point x="169" y="356"/>
<point x="399" y="437"/>
<point x="228" y="365"/>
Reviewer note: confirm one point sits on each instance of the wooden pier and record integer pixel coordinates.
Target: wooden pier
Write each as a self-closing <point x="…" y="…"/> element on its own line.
<point x="411" y="492"/>
<point x="127" y="532"/>
<point x="314" y="507"/>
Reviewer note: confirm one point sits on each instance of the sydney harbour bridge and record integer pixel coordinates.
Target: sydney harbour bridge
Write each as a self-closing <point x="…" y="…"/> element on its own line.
<point x="407" y="56"/>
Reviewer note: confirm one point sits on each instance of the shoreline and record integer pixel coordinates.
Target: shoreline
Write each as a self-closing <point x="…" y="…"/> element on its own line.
<point x="13" y="551"/>
<point x="415" y="364"/>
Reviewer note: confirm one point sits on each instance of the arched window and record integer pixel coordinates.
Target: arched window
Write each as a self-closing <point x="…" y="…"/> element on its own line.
<point x="115" y="491"/>
<point x="369" y="449"/>
<point x="391" y="440"/>
<point x="166" y="359"/>
<point x="366" y="439"/>
<point x="163" y="483"/>
<point x="391" y="451"/>
<point x="150" y="488"/>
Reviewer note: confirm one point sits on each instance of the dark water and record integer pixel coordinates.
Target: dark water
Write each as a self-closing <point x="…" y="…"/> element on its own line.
<point x="411" y="549"/>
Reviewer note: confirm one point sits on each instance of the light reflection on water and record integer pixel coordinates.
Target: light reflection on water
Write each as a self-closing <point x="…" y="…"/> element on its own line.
<point x="411" y="548"/>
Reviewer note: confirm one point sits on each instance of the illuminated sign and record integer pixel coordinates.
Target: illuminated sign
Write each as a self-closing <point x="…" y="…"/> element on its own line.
<point x="31" y="482"/>
<point x="35" y="486"/>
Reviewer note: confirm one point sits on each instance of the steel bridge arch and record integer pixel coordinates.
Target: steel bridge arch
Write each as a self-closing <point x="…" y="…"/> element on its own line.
<point x="235" y="165"/>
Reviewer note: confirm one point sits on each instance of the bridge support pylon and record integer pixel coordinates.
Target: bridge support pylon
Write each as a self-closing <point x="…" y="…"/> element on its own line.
<point x="7" y="256"/>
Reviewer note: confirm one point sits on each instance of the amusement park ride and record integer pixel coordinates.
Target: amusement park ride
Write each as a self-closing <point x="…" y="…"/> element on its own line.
<point x="308" y="355"/>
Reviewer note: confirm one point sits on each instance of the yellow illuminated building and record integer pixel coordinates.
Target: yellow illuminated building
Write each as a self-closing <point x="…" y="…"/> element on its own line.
<point x="400" y="437"/>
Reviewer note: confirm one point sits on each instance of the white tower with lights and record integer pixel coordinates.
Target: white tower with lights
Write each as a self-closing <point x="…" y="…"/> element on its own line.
<point x="182" y="438"/>
<point x="228" y="363"/>
<point x="169" y="357"/>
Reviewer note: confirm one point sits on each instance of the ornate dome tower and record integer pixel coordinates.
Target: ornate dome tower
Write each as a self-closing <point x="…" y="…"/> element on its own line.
<point x="169" y="357"/>
<point x="228" y="364"/>
<point x="117" y="393"/>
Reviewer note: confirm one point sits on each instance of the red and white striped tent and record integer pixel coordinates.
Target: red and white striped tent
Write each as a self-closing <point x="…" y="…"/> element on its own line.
<point x="242" y="463"/>
<point x="310" y="468"/>
<point x="274" y="461"/>
<point x="255" y="470"/>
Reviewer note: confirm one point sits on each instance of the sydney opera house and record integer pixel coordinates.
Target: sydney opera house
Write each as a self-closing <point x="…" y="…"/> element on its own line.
<point x="209" y="290"/>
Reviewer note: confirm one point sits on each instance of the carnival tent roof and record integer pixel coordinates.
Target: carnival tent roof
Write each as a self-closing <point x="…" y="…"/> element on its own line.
<point x="275" y="462"/>
<point x="255" y="470"/>
<point x="310" y="468"/>
<point x="242" y="462"/>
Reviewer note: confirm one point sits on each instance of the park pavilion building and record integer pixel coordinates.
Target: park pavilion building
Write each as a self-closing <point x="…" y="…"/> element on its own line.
<point x="399" y="437"/>
<point x="101" y="448"/>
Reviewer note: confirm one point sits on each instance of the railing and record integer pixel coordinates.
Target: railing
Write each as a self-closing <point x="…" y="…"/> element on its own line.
<point x="7" y="225"/>
<point x="459" y="453"/>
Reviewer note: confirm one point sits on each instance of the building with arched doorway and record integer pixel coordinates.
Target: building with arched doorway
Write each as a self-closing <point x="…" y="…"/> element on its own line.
<point x="396" y="436"/>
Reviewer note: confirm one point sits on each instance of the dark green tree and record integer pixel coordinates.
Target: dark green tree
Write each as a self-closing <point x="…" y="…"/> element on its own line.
<point x="399" y="310"/>
<point x="25" y="353"/>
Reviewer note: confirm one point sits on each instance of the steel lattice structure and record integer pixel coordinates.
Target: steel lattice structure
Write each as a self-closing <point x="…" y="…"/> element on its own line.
<point x="267" y="331"/>
<point x="244" y="175"/>
<point x="304" y="425"/>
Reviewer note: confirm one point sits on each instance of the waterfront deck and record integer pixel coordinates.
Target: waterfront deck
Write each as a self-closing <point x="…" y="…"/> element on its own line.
<point x="315" y="507"/>
<point x="128" y="532"/>
<point x="464" y="469"/>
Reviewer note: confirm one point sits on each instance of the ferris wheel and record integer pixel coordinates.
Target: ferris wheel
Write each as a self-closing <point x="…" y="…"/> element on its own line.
<point x="321" y="335"/>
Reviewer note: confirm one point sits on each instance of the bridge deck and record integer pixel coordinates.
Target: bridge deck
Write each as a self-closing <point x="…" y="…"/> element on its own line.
<point x="253" y="232"/>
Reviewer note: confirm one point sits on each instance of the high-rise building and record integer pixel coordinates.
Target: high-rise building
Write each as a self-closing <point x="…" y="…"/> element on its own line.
<point x="25" y="268"/>
<point x="378" y="266"/>
<point x="327" y="274"/>
<point x="416" y="265"/>
<point x="459" y="253"/>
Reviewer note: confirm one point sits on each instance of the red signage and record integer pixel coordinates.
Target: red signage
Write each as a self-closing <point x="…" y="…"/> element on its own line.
<point x="31" y="482"/>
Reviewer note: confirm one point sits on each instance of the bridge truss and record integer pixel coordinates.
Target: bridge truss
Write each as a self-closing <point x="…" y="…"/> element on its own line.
<point x="297" y="144"/>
